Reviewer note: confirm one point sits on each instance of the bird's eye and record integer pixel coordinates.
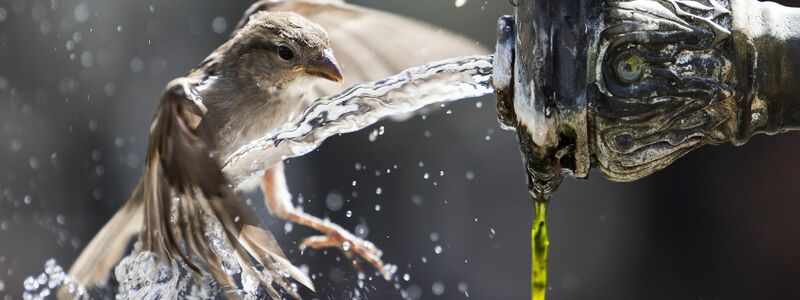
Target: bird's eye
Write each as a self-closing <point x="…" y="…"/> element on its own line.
<point x="285" y="53"/>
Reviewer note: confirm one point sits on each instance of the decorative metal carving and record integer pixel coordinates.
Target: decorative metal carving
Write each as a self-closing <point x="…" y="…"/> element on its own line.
<point x="664" y="74"/>
<point x="629" y="86"/>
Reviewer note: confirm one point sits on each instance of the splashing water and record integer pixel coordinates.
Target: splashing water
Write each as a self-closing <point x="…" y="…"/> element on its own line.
<point x="46" y="285"/>
<point x="140" y="276"/>
<point x="539" y="244"/>
<point x="360" y="106"/>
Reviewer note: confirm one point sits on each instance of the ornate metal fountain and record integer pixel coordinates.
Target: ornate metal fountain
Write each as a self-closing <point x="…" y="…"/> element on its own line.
<point x="629" y="86"/>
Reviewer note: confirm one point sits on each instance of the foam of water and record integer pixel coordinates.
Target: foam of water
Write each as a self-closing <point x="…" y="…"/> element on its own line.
<point x="46" y="285"/>
<point x="140" y="276"/>
<point x="361" y="106"/>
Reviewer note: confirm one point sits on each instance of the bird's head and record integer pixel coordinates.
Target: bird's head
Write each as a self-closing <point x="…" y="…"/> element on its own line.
<point x="277" y="48"/>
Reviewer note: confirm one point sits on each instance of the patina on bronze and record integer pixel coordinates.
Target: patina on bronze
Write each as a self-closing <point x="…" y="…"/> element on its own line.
<point x="628" y="87"/>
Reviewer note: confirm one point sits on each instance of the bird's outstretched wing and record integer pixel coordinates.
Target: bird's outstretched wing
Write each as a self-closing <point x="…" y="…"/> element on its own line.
<point x="190" y="212"/>
<point x="371" y="44"/>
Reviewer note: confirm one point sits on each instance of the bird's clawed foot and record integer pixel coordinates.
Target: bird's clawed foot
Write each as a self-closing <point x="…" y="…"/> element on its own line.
<point x="351" y="245"/>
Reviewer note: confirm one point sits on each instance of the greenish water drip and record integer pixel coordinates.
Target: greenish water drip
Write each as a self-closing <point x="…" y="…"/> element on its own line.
<point x="539" y="244"/>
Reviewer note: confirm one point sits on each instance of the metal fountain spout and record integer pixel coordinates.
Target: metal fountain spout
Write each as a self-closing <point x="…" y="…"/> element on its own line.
<point x="629" y="86"/>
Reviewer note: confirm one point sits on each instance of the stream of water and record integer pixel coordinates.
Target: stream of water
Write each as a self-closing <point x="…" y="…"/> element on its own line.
<point x="361" y="106"/>
<point x="539" y="244"/>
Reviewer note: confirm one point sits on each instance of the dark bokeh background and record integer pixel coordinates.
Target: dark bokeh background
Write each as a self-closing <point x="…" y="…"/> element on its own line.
<point x="79" y="80"/>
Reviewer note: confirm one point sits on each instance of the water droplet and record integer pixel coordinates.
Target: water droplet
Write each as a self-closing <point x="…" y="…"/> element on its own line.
<point x="470" y="175"/>
<point x="346" y="246"/>
<point x="462" y="287"/>
<point x="81" y="13"/>
<point x="27" y="199"/>
<point x="45" y="27"/>
<point x="287" y="228"/>
<point x="406" y="277"/>
<point x="378" y="191"/>
<point x="354" y="183"/>
<point x="219" y="25"/>
<point x="348" y="213"/>
<point x="93" y="125"/>
<point x="441" y="173"/>
<point x="479" y="104"/>
<point x="110" y="89"/>
<point x="437" y="288"/>
<point x="30" y="284"/>
<point x="377" y="207"/>
<point x="87" y="59"/>
<point x="434" y="236"/>
<point x="334" y="201"/>
<point x="362" y="230"/>
<point x="16" y="145"/>
<point x="425" y="176"/>
<point x="33" y="162"/>
<point x="137" y="65"/>
<point x="119" y="28"/>
<point x="373" y="135"/>
<point x="437" y="249"/>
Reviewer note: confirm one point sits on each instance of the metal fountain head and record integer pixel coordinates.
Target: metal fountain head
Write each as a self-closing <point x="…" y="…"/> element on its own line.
<point x="629" y="86"/>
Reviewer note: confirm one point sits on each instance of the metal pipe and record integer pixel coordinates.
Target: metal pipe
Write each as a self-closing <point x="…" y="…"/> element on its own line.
<point x="629" y="86"/>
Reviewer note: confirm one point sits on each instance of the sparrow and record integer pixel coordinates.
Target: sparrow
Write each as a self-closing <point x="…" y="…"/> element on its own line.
<point x="245" y="88"/>
<point x="274" y="65"/>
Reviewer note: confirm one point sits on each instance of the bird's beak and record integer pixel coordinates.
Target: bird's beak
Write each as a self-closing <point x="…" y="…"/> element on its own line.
<point x="325" y="67"/>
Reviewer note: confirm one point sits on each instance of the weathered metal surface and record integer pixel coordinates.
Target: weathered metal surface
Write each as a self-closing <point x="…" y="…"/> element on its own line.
<point x="629" y="86"/>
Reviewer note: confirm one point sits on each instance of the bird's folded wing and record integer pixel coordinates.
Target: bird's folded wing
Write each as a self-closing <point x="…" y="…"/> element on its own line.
<point x="371" y="44"/>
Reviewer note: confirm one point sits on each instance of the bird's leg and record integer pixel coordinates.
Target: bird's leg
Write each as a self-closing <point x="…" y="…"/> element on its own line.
<point x="279" y="203"/>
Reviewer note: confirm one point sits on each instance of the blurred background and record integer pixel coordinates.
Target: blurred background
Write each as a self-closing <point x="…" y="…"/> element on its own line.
<point x="79" y="80"/>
